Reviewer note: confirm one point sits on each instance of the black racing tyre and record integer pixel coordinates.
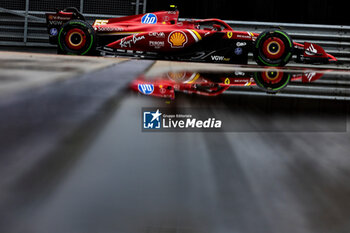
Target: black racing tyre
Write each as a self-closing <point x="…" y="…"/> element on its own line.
<point x="273" y="48"/>
<point x="77" y="37"/>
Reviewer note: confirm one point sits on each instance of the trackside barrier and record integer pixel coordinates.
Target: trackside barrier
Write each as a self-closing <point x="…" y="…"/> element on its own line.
<point x="22" y="22"/>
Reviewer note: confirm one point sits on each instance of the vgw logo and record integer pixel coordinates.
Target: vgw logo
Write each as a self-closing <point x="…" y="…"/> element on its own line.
<point x="152" y="120"/>
<point x="149" y="19"/>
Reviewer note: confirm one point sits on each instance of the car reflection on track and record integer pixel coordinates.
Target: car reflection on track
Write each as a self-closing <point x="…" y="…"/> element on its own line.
<point x="270" y="81"/>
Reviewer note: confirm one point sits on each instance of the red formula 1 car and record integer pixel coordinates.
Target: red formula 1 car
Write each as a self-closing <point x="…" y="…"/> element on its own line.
<point x="271" y="81"/>
<point x="161" y="35"/>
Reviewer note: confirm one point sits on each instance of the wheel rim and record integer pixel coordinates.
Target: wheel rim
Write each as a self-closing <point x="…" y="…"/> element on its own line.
<point x="272" y="76"/>
<point x="75" y="39"/>
<point x="273" y="48"/>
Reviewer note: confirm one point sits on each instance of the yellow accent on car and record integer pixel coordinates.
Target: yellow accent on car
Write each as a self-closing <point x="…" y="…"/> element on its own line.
<point x="197" y="34"/>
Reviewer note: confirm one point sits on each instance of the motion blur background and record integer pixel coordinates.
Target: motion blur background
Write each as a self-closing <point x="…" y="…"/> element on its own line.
<point x="296" y="11"/>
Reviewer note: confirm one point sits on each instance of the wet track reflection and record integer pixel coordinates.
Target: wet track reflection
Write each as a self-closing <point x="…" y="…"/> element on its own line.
<point x="282" y="165"/>
<point x="307" y="83"/>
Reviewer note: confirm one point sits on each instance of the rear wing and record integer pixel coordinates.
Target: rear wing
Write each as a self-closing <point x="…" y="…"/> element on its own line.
<point x="54" y="21"/>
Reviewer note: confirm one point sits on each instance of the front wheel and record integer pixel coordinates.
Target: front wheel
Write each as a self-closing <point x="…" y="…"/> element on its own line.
<point x="76" y="37"/>
<point x="273" y="48"/>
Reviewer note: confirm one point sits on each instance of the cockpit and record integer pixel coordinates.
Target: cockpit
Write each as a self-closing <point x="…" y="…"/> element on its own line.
<point x="212" y="25"/>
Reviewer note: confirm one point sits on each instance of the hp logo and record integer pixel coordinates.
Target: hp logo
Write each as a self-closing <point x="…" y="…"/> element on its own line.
<point x="146" y="89"/>
<point x="149" y="19"/>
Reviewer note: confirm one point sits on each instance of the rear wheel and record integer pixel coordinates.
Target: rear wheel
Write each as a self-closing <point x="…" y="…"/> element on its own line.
<point x="272" y="80"/>
<point x="273" y="48"/>
<point x="76" y="37"/>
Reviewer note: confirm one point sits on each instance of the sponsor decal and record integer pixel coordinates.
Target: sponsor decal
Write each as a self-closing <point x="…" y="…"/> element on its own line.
<point x="229" y="35"/>
<point x="177" y="39"/>
<point x="146" y="89"/>
<point x="108" y="49"/>
<point x="56" y="23"/>
<point x="156" y="120"/>
<point x="53" y="31"/>
<point x="108" y="29"/>
<point x="157" y="34"/>
<point x="309" y="76"/>
<point x="241" y="44"/>
<point x="219" y="58"/>
<point x="157" y="44"/>
<point x="149" y="19"/>
<point x="176" y="76"/>
<point x="245" y="36"/>
<point x="239" y="73"/>
<point x="124" y="43"/>
<point x="311" y="50"/>
<point x="57" y="17"/>
<point x="100" y="22"/>
<point x="238" y="51"/>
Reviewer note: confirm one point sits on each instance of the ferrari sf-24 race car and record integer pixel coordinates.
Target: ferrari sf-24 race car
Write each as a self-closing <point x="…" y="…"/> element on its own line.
<point x="160" y="35"/>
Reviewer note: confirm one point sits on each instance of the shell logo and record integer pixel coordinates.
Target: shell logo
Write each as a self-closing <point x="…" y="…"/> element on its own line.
<point x="177" y="39"/>
<point x="176" y="76"/>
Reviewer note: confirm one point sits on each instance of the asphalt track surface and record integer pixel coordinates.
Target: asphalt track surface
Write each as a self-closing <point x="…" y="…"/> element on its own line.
<point x="74" y="159"/>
